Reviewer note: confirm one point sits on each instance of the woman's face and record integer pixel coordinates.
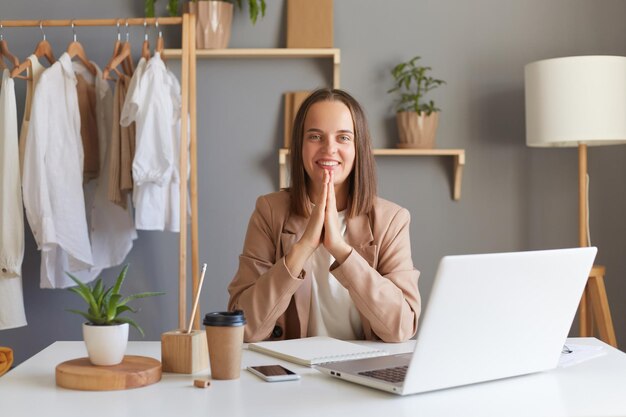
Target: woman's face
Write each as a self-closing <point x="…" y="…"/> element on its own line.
<point x="328" y="143"/>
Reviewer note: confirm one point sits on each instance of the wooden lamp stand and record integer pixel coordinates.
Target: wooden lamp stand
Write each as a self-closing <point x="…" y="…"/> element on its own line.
<point x="594" y="303"/>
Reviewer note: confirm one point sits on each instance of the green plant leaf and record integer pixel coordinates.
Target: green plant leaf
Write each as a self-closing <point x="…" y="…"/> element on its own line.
<point x="106" y="304"/>
<point x="172" y="7"/>
<point x="131" y="322"/>
<point x="111" y="308"/>
<point x="149" y="7"/>
<point x="104" y="299"/>
<point x="122" y="309"/>
<point x="140" y="295"/>
<point x="85" y="292"/>
<point x="263" y="7"/>
<point x="88" y="317"/>
<point x="412" y="82"/>
<point x="120" y="279"/>
<point x="98" y="289"/>
<point x="254" y="11"/>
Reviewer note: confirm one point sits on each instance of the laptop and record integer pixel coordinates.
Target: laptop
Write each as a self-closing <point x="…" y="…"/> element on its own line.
<point x="489" y="316"/>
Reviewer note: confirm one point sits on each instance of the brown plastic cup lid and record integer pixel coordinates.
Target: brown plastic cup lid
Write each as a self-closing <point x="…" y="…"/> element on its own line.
<point x="224" y="318"/>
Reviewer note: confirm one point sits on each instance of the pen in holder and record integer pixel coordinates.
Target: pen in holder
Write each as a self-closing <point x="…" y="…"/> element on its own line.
<point x="185" y="351"/>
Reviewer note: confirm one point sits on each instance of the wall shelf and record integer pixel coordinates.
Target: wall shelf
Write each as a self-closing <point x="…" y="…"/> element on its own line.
<point x="457" y="154"/>
<point x="260" y="53"/>
<point x="324" y="53"/>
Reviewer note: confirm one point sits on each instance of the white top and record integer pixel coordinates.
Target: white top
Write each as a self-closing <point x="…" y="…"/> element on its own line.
<point x="129" y="110"/>
<point x="332" y="311"/>
<point x="53" y="176"/>
<point x="592" y="388"/>
<point x="155" y="166"/>
<point x="11" y="220"/>
<point x="111" y="227"/>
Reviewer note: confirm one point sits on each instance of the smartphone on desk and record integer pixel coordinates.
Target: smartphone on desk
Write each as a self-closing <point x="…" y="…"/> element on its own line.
<point x="273" y="373"/>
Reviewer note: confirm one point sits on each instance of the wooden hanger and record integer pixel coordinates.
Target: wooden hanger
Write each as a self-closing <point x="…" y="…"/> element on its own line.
<point x="145" y="48"/>
<point x="116" y="50"/>
<point x="160" y="46"/>
<point x="75" y="49"/>
<point x="127" y="63"/>
<point x="118" y="43"/>
<point x="116" y="60"/>
<point x="121" y="56"/>
<point x="43" y="49"/>
<point x="5" y="53"/>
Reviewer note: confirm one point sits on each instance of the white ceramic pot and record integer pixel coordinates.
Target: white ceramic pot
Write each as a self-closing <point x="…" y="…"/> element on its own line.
<point x="106" y="345"/>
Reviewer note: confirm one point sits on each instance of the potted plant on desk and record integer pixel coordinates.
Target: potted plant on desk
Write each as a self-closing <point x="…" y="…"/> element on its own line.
<point x="106" y="332"/>
<point x="417" y="120"/>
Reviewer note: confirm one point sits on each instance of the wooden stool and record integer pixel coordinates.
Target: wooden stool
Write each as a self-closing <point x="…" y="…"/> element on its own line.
<point x="594" y="306"/>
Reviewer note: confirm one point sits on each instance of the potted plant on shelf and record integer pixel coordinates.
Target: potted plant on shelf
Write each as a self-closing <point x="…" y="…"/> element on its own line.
<point x="417" y="119"/>
<point x="214" y="20"/>
<point x="106" y="332"/>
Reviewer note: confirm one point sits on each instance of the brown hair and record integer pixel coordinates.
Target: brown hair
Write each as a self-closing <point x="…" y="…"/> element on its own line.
<point x="362" y="179"/>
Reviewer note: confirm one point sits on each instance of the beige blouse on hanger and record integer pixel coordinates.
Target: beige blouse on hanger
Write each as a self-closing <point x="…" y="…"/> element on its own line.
<point x="33" y="72"/>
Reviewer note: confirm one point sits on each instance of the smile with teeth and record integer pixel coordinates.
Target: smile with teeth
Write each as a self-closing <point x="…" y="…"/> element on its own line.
<point x="328" y="164"/>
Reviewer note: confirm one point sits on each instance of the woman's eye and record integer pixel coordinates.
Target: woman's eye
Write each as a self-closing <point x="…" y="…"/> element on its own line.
<point x="315" y="137"/>
<point x="345" y="138"/>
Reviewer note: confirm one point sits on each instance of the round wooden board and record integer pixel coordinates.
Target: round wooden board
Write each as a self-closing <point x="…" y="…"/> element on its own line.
<point x="133" y="372"/>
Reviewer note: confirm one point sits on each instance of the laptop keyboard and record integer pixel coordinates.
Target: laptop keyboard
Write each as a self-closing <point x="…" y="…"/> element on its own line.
<point x="392" y="375"/>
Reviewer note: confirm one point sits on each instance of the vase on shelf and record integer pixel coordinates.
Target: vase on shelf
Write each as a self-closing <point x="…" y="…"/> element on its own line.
<point x="417" y="131"/>
<point x="213" y="23"/>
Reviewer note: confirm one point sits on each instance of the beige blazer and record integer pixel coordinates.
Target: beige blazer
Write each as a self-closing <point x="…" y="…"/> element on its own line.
<point x="378" y="274"/>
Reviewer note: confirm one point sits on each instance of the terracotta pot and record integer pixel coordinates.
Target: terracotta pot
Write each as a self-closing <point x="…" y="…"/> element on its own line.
<point x="213" y="23"/>
<point x="417" y="131"/>
<point x="106" y="345"/>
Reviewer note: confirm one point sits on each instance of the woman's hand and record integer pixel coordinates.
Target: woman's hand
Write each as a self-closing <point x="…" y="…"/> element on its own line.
<point x="332" y="239"/>
<point x="312" y="236"/>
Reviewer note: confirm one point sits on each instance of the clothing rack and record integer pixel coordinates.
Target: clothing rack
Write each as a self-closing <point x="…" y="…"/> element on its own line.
<point x="187" y="135"/>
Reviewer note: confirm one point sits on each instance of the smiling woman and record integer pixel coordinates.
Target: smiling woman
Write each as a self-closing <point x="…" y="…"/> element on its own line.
<point x="327" y="257"/>
<point x="328" y="148"/>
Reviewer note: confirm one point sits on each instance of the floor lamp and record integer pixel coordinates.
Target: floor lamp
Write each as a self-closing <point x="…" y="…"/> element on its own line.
<point x="579" y="102"/>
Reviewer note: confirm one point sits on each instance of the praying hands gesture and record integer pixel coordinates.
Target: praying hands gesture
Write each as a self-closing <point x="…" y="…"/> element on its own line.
<point x="323" y="228"/>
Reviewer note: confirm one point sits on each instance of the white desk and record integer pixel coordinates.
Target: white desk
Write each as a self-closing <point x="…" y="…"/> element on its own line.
<point x="593" y="388"/>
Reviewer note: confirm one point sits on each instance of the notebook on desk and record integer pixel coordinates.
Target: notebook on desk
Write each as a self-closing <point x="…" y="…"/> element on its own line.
<point x="489" y="317"/>
<point x="315" y="350"/>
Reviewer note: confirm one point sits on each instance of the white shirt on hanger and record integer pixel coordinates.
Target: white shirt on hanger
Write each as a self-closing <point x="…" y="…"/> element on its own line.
<point x="129" y="110"/>
<point x="11" y="218"/>
<point x="53" y="176"/>
<point x="172" y="208"/>
<point x="111" y="227"/>
<point x="157" y="204"/>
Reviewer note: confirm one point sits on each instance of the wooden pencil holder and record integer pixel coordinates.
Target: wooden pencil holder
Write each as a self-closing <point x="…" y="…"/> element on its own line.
<point x="184" y="353"/>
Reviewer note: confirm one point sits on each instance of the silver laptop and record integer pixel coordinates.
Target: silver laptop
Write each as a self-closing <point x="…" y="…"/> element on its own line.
<point x="489" y="317"/>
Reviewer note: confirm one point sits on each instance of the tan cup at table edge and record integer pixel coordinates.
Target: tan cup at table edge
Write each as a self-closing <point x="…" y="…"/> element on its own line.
<point x="225" y="344"/>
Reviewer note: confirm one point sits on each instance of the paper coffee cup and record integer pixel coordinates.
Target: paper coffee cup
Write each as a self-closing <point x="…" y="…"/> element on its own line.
<point x="224" y="333"/>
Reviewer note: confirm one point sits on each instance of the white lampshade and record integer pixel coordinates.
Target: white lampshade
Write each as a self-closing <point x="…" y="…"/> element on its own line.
<point x="572" y="100"/>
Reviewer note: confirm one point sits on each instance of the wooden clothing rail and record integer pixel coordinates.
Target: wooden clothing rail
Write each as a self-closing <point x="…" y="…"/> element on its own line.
<point x="187" y="135"/>
<point x="133" y="21"/>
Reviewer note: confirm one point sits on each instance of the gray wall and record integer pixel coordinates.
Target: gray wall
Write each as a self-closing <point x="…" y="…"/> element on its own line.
<point x="514" y="198"/>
